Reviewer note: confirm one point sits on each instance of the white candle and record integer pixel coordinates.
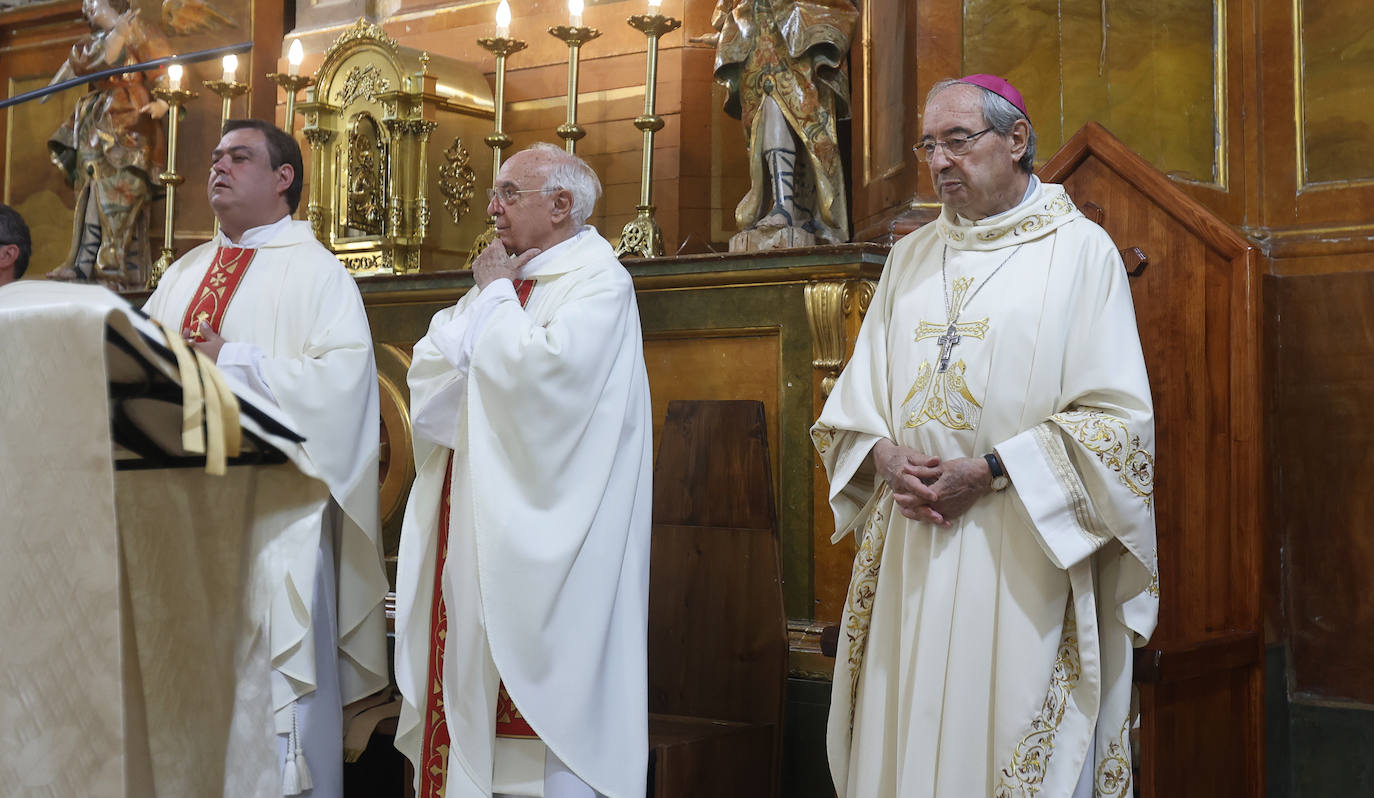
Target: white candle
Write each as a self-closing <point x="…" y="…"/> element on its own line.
<point x="575" y="13"/>
<point x="174" y="76"/>
<point x="294" y="58"/>
<point x="503" y="20"/>
<point x="653" y="6"/>
<point x="231" y="67"/>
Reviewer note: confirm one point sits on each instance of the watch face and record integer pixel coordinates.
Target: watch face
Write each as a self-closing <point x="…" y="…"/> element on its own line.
<point x="1000" y="483"/>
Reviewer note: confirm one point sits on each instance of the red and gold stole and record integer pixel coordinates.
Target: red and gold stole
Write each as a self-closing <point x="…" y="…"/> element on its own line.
<point x="434" y="748"/>
<point x="221" y="280"/>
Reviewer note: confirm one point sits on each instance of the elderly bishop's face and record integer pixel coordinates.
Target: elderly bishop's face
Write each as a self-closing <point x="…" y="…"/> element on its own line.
<point x="983" y="181"/>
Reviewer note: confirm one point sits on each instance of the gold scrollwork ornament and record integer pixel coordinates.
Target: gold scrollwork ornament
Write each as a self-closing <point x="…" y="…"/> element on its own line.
<point x="363" y="82"/>
<point x="457" y="180"/>
<point x="641" y="236"/>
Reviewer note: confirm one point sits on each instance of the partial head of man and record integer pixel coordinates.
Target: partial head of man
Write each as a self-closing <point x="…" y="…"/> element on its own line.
<point x="255" y="176"/>
<point x="542" y="196"/>
<point x="977" y="139"/>
<point x="15" y="245"/>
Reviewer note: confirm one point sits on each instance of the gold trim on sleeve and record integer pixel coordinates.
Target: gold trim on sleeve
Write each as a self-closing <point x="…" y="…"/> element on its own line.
<point x="1109" y="438"/>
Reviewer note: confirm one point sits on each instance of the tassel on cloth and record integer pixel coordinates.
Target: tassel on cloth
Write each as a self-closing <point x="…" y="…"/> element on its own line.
<point x="295" y="777"/>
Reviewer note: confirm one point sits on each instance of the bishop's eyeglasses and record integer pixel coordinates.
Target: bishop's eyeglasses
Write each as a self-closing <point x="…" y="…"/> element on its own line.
<point x="509" y="196"/>
<point x="955" y="146"/>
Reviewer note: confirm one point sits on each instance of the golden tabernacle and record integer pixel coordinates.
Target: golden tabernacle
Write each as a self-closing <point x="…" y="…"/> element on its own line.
<point x="396" y="178"/>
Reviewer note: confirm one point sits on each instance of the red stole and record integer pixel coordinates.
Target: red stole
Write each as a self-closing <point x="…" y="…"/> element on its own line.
<point x="217" y="287"/>
<point x="509" y="722"/>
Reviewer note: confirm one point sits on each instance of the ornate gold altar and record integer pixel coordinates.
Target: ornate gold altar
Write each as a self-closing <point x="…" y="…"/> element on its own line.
<point x="394" y="165"/>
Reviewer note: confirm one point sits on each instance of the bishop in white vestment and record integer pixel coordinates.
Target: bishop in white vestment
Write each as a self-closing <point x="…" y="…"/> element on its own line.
<point x="986" y="639"/>
<point x="522" y="584"/>
<point x="281" y="314"/>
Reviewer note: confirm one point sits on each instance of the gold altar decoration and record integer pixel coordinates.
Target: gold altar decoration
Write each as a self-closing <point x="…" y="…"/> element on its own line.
<point x="369" y="119"/>
<point x="642" y="237"/>
<point x="291" y="83"/>
<point x="175" y="97"/>
<point x="499" y="46"/>
<point x="574" y="36"/>
<point x="227" y="87"/>
<point x="834" y="311"/>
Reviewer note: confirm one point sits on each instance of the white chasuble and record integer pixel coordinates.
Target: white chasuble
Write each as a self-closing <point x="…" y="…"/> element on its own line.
<point x="994" y="657"/>
<point x="298" y="304"/>
<point x="546" y="573"/>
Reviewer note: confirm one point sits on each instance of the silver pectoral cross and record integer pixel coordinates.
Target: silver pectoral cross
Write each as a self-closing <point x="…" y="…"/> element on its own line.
<point x="947" y="343"/>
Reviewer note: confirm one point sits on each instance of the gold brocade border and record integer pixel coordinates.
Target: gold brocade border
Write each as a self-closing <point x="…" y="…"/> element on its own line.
<point x="1055" y="208"/>
<point x="863" y="591"/>
<point x="1030" y="760"/>
<point x="1111" y="440"/>
<point x="1113" y="776"/>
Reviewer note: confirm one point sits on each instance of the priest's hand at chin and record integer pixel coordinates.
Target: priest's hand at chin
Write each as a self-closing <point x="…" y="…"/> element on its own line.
<point x="962" y="482"/>
<point x="211" y="345"/>
<point x="495" y="263"/>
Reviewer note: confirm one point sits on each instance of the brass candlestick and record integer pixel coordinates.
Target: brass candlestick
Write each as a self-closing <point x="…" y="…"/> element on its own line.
<point x="227" y="89"/>
<point x="175" y="98"/>
<point x="641" y="236"/>
<point x="290" y="84"/>
<point x="499" y="46"/>
<point x="574" y="37"/>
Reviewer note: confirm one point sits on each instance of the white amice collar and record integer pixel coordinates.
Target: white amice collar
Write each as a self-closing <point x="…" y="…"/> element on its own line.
<point x="551" y="255"/>
<point x="1045" y="208"/>
<point x="257" y="237"/>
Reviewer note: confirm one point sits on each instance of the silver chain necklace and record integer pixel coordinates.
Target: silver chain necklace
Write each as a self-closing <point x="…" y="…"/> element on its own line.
<point x="951" y="338"/>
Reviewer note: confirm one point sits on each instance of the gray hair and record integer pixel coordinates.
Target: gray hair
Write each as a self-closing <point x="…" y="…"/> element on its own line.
<point x="14" y="231"/>
<point x="571" y="173"/>
<point x="998" y="114"/>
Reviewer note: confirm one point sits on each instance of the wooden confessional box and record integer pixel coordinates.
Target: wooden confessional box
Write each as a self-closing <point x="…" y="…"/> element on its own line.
<point x="1196" y="285"/>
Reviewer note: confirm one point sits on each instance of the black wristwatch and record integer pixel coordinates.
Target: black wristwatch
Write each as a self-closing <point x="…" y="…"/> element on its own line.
<point x="1000" y="480"/>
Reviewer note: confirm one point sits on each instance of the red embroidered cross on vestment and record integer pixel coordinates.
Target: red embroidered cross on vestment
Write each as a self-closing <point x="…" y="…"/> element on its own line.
<point x="217" y="287"/>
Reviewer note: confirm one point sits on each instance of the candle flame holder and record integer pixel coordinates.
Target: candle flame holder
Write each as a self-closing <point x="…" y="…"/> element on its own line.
<point x="227" y="90"/>
<point x="175" y="98"/>
<point x="291" y="84"/>
<point x="499" y="46"/>
<point x="574" y="37"/>
<point x="642" y="236"/>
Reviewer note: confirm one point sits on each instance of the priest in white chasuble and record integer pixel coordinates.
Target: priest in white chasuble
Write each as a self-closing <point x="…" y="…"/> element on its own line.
<point x="990" y="446"/>
<point x="523" y="581"/>
<point x="273" y="307"/>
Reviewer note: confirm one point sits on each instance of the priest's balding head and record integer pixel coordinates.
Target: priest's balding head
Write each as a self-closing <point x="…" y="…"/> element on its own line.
<point x="977" y="139"/>
<point x="255" y="176"/>
<point x="542" y="196"/>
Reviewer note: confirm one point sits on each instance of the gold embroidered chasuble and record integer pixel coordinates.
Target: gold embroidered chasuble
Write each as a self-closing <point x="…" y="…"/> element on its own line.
<point x="993" y="657"/>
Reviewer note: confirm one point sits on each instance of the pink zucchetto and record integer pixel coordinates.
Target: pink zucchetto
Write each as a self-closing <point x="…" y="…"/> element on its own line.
<point x="1001" y="88"/>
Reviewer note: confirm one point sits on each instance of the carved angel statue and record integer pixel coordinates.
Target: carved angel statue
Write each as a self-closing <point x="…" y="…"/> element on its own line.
<point x="112" y="146"/>
<point x="781" y="63"/>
